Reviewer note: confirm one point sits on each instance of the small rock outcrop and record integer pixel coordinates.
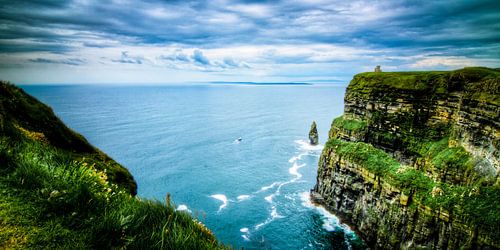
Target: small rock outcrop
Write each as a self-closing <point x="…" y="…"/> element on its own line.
<point x="313" y="134"/>
<point x="414" y="162"/>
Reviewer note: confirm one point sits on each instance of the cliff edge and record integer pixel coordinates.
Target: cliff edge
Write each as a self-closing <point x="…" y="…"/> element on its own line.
<point x="21" y="115"/>
<point x="414" y="160"/>
<point x="59" y="192"/>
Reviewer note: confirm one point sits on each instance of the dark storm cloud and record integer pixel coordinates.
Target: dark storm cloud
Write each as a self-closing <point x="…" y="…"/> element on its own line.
<point x="6" y="47"/>
<point x="439" y="23"/>
<point x="180" y="59"/>
<point x="68" y="61"/>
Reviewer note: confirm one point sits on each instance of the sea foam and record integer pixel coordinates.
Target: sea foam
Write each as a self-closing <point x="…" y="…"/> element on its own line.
<point x="264" y="188"/>
<point x="222" y="198"/>
<point x="243" y="197"/>
<point x="294" y="170"/>
<point x="274" y="215"/>
<point x="295" y="158"/>
<point x="330" y="221"/>
<point x="304" y="145"/>
<point x="269" y="198"/>
<point x="246" y="233"/>
<point x="183" y="207"/>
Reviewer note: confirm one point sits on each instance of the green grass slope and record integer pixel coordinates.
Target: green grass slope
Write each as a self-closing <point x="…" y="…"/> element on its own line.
<point x="59" y="192"/>
<point x="22" y="116"/>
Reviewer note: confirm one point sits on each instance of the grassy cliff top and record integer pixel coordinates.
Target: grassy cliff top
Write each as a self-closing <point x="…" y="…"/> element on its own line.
<point x="478" y="83"/>
<point x="59" y="192"/>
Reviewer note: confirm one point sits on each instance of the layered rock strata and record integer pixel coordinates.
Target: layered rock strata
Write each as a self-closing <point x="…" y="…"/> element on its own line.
<point x="414" y="160"/>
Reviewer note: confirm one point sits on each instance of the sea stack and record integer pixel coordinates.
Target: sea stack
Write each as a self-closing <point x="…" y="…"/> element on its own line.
<point x="313" y="134"/>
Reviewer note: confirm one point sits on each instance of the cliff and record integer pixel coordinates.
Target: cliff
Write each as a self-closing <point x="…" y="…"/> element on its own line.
<point x="59" y="192"/>
<point x="21" y="115"/>
<point x="414" y="160"/>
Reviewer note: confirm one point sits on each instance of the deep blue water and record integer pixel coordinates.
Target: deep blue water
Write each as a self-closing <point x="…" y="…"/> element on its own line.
<point x="181" y="140"/>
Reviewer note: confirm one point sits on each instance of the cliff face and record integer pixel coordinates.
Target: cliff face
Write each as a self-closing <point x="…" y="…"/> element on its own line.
<point x="414" y="160"/>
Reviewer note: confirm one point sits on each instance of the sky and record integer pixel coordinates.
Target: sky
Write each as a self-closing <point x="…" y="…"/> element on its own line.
<point x="121" y="41"/>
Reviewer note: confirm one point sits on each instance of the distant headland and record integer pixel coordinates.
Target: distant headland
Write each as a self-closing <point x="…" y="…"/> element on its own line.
<point x="262" y="83"/>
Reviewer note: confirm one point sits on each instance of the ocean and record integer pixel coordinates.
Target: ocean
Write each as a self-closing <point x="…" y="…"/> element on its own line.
<point x="183" y="140"/>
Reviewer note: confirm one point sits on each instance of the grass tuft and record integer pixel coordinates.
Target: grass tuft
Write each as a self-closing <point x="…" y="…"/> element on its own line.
<point x="349" y="124"/>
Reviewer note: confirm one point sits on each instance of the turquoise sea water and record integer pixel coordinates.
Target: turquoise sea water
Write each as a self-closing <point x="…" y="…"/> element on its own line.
<point x="181" y="139"/>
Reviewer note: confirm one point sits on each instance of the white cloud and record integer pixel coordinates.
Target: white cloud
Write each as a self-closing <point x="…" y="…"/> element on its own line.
<point x="163" y="13"/>
<point x="224" y="18"/>
<point x="252" y="10"/>
<point x="443" y="61"/>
